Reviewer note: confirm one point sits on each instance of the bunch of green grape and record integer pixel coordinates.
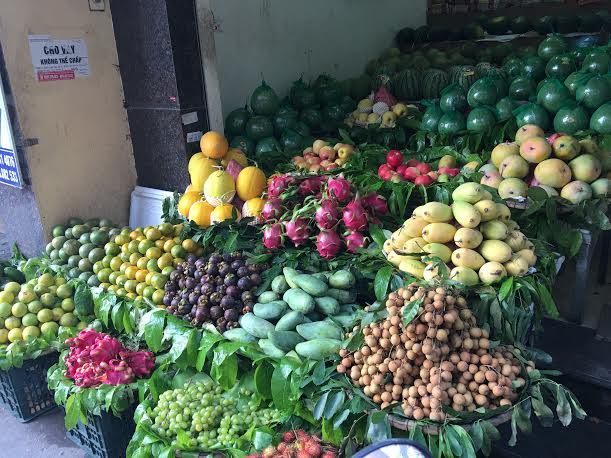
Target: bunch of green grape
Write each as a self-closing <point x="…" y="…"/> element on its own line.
<point x="209" y="419"/>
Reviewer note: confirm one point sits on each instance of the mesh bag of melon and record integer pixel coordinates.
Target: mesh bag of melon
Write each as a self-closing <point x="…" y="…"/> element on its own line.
<point x="429" y="353"/>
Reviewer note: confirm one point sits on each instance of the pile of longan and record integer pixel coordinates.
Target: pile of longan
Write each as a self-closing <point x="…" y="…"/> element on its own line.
<point x="440" y="358"/>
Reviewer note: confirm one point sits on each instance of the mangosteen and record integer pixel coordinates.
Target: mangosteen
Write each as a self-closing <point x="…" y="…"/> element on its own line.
<point x="198" y="274"/>
<point x="215" y="298"/>
<point x="174" y="303"/>
<point x="255" y="279"/>
<point x="233" y="291"/>
<point x="224" y="269"/>
<point x="216" y="312"/>
<point x="180" y="268"/>
<point x="190" y="283"/>
<point x="190" y="271"/>
<point x="218" y="281"/>
<point x="191" y="258"/>
<point x="181" y="283"/>
<point x="227" y="302"/>
<point x="207" y="289"/>
<point x="203" y="300"/>
<point x="193" y="297"/>
<point x="228" y="257"/>
<point x="199" y="315"/>
<point x="212" y="269"/>
<point x="247" y="296"/>
<point x="244" y="283"/>
<point x="246" y="309"/>
<point x="221" y="289"/>
<point x="167" y="299"/>
<point x="171" y="309"/>
<point x="231" y="314"/>
<point x="174" y="275"/>
<point x="197" y="289"/>
<point x="230" y="279"/>
<point x="201" y="262"/>
<point x="206" y="312"/>
<point x="215" y="258"/>
<point x="235" y="265"/>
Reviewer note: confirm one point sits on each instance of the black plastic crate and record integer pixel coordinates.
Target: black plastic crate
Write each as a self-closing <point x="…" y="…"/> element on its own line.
<point x="24" y="391"/>
<point x="104" y="435"/>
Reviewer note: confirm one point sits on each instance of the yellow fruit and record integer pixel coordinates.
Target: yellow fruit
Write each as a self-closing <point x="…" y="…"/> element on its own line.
<point x="494" y="230"/>
<point x="141" y="275"/>
<point x="468" y="192"/>
<point x="495" y="250"/>
<point x="189" y="245"/>
<point x="200" y="213"/>
<point x="15" y="334"/>
<point x="528" y="255"/>
<point x="213" y="145"/>
<point x="415" y="245"/>
<point x="398" y="238"/>
<point x="250" y="183"/>
<point x="487" y="209"/>
<point x="431" y="271"/>
<point x="224" y="212"/>
<point x="468" y="238"/>
<point x="413" y="227"/>
<point x="412" y="267"/>
<point x="253" y="207"/>
<point x="466" y="214"/>
<point x="219" y="188"/>
<point x="153" y="234"/>
<point x="131" y="272"/>
<point x="153" y="253"/>
<point x="516" y="240"/>
<point x="3" y="336"/>
<point x="464" y="275"/>
<point x="438" y="249"/>
<point x="168" y="244"/>
<point x="436" y="212"/>
<point x="200" y="173"/>
<point x="237" y="155"/>
<point x="185" y="202"/>
<point x="516" y="266"/>
<point x="502" y="212"/>
<point x="194" y="161"/>
<point x="492" y="272"/>
<point x="438" y="233"/>
<point x="464" y="257"/>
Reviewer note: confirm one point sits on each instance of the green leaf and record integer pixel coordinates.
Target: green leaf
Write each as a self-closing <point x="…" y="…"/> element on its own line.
<point x="333" y="405"/>
<point x="117" y="316"/>
<point x="514" y="430"/>
<point x="74" y="412"/>
<point x="411" y="310"/>
<point x="153" y="331"/>
<point x="563" y="409"/>
<point x="577" y="409"/>
<point x="206" y="343"/>
<point x="378" y="427"/>
<point x="83" y="301"/>
<point x="281" y="384"/>
<point x="224" y="369"/>
<point x="451" y="437"/>
<point x="340" y="418"/>
<point x="477" y="435"/>
<point x="319" y="373"/>
<point x="496" y="314"/>
<point x="506" y="288"/>
<point x="547" y="300"/>
<point x="261" y="439"/>
<point x="263" y="379"/>
<point x="542" y="411"/>
<point x="320" y="406"/>
<point x="523" y="416"/>
<point x="415" y="434"/>
<point x="331" y="434"/>
<point x="381" y="281"/>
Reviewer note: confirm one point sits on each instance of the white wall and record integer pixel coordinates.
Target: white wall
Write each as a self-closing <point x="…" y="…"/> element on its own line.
<point x="281" y="39"/>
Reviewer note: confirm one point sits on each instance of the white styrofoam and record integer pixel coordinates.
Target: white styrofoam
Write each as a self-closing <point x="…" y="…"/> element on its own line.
<point x="146" y="206"/>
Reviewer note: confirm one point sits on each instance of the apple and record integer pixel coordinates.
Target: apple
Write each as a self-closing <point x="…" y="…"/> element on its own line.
<point x="337" y="146"/>
<point x="313" y="160"/>
<point x="433" y="175"/>
<point x="424" y="168"/>
<point x="326" y="152"/>
<point x="401" y="169"/>
<point x="411" y="173"/>
<point x="314" y="168"/>
<point x="331" y="166"/>
<point x="324" y="163"/>
<point x="412" y="163"/>
<point x="394" y="158"/>
<point x="384" y="172"/>
<point x="424" y="180"/>
<point x="345" y="151"/>
<point x="443" y="178"/>
<point x="396" y="178"/>
<point x="453" y="172"/>
<point x="318" y="144"/>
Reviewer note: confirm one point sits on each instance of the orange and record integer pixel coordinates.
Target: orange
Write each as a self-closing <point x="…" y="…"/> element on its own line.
<point x="213" y="145"/>
<point x="189" y="245"/>
<point x="168" y="244"/>
<point x="223" y="212"/>
<point x="130" y="272"/>
<point x="141" y="276"/>
<point x="185" y="202"/>
<point x="200" y="213"/>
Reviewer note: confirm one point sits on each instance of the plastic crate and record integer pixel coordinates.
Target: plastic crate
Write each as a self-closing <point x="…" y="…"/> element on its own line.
<point x="104" y="435"/>
<point x="24" y="391"/>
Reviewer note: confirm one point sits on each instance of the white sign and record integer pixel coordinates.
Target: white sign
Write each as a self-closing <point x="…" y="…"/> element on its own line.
<point x="57" y="59"/>
<point x="10" y="173"/>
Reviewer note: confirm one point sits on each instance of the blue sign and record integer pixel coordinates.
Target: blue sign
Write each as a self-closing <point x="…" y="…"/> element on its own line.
<point x="9" y="168"/>
<point x="10" y="173"/>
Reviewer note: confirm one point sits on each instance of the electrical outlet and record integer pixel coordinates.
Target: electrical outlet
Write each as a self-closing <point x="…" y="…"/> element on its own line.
<point x="96" y="5"/>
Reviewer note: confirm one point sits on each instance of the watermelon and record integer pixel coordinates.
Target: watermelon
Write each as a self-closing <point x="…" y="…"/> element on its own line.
<point x="431" y="118"/>
<point x="542" y="82"/>
<point x="433" y="81"/>
<point x="259" y="127"/>
<point x="243" y="143"/>
<point x="453" y="98"/>
<point x="596" y="61"/>
<point x="520" y="24"/>
<point x="333" y="113"/>
<point x="513" y="67"/>
<point x="405" y="85"/>
<point x="267" y="145"/>
<point x="301" y="128"/>
<point x="328" y="90"/>
<point x="421" y="63"/>
<point x="601" y="119"/>
<point x="553" y="95"/>
<point x="594" y="93"/>
<point x="301" y="95"/>
<point x="522" y="88"/>
<point x="504" y="108"/>
<point x="264" y="100"/>
<point x="560" y="67"/>
<point x="311" y="117"/>
<point x="481" y="119"/>
<point x="451" y="123"/>
<point x="464" y="75"/>
<point x="483" y="92"/>
<point x="484" y="68"/>
<point x="284" y="119"/>
<point x="501" y="85"/>
<point x="566" y="24"/>
<point x="590" y="22"/>
<point x="531" y="113"/>
<point x="497" y="25"/>
<point x="543" y="25"/>
<point x="235" y="122"/>
<point x="571" y="118"/>
<point x="405" y="38"/>
<point x="534" y="67"/>
<point x="576" y="79"/>
<point x="348" y="104"/>
<point x="421" y="34"/>
<point x="553" y="45"/>
<point x="290" y="140"/>
<point x="474" y="31"/>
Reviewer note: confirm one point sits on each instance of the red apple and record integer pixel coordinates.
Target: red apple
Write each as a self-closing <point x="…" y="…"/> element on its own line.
<point x="401" y="169"/>
<point x="411" y="173"/>
<point x="394" y="158"/>
<point x="313" y="160"/>
<point x="412" y="163"/>
<point x="424" y="180"/>
<point x="309" y="155"/>
<point x="443" y="169"/>
<point x="452" y="172"/>
<point x="331" y="166"/>
<point x="384" y="172"/>
<point x="314" y="168"/>
<point x="326" y="152"/>
<point x="424" y="168"/>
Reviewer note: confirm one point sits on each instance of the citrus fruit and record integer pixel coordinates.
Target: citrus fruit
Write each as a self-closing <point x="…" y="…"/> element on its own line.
<point x="57" y="312"/>
<point x="41" y="289"/>
<point x="64" y="291"/>
<point x="168" y="244"/>
<point x="123" y="267"/>
<point x="93" y="281"/>
<point x="178" y="251"/>
<point x="58" y="230"/>
<point x="81" y="325"/>
<point x="131" y="295"/>
<point x="27" y="296"/>
<point x="178" y="261"/>
<point x="29" y="320"/>
<point x="97" y="254"/>
<point x="106" y="260"/>
<point x="153" y="253"/>
<point x="121" y="239"/>
<point x="97" y="266"/>
<point x="121" y="279"/>
<point x="85" y="265"/>
<point x="49" y="328"/>
<point x="158" y="281"/>
<point x="47" y="299"/>
<point x="35" y="307"/>
<point x="99" y="237"/>
<point x="121" y="292"/>
<point x="46" y="280"/>
<point x="186" y="201"/>
<point x="148" y="277"/>
<point x="200" y="213"/>
<point x="167" y="270"/>
<point x="140" y="288"/>
<point x="30" y="332"/>
<point x="113" y="288"/>
<point x="12" y="287"/>
<point x="125" y="256"/>
<point x="130" y="285"/>
<point x="153" y="234"/>
<point x="15" y="334"/>
<point x="148" y="292"/>
<point x="84" y="250"/>
<point x="58" y="242"/>
<point x="112" y="278"/>
<point x="7" y="296"/>
<point x="112" y="248"/>
<point x="133" y="258"/>
<point x="3" y="336"/>
<point x="141" y="275"/>
<point x="165" y="260"/>
<point x="104" y="275"/>
<point x="145" y="245"/>
<point x="166" y="228"/>
<point x="213" y="145"/>
<point x="141" y="264"/>
<point x="133" y="246"/>
<point x="45" y="315"/>
<point x="68" y="319"/>
<point x="12" y="322"/>
<point x="52" y="290"/>
<point x="157" y="297"/>
<point x="130" y="272"/>
<point x="19" y="309"/>
<point x="159" y="243"/>
<point x="152" y="266"/>
<point x="60" y="281"/>
<point x="68" y="305"/>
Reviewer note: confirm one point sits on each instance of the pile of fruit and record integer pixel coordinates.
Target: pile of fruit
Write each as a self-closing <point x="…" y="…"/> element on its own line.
<point x="96" y="358"/>
<point x="559" y="164"/>
<point x="217" y="194"/>
<point x="322" y="156"/>
<point x="37" y="307"/>
<point x="79" y="245"/>
<point x="438" y="359"/>
<point x="305" y="313"/>
<point x="474" y="237"/>
<point x="207" y="417"/>
<point x="299" y="208"/>
<point x="396" y="169"/>
<point x="217" y="289"/>
<point x="298" y="444"/>
<point x="138" y="263"/>
<point x="380" y="109"/>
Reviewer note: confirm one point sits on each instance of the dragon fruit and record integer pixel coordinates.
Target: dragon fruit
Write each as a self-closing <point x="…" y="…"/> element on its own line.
<point x="297" y="230"/>
<point x="375" y="203"/>
<point x="278" y="184"/>
<point x="354" y="216"/>
<point x="272" y="209"/>
<point x="327" y="214"/>
<point x="383" y="95"/>
<point x="354" y="241"/>
<point x="234" y="168"/>
<point x="272" y="236"/>
<point x="117" y="373"/>
<point x="141" y="362"/>
<point x="311" y="186"/>
<point x="328" y="244"/>
<point x="339" y="188"/>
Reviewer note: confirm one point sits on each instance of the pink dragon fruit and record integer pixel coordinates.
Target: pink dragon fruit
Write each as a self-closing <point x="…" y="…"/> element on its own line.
<point x="311" y="186"/>
<point x="234" y="168"/>
<point x="375" y="203"/>
<point x="272" y="209"/>
<point x="272" y="236"/>
<point x="328" y="244"/>
<point x="354" y="216"/>
<point x="278" y="184"/>
<point x="117" y="373"/>
<point x="354" y="241"/>
<point x="237" y="203"/>
<point x="141" y="362"/>
<point x="297" y="230"/>
<point x="339" y="188"/>
<point x="327" y="214"/>
<point x="383" y="95"/>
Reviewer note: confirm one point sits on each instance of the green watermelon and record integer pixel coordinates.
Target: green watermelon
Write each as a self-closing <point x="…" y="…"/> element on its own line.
<point x="522" y="88"/>
<point x="453" y="98"/>
<point x="421" y="34"/>
<point x="513" y="67"/>
<point x="497" y="25"/>
<point x="405" y="85"/>
<point x="311" y="117"/>
<point x="259" y="127"/>
<point x="520" y="24"/>
<point x="284" y="120"/>
<point x="534" y="67"/>
<point x="464" y="75"/>
<point x="596" y="61"/>
<point x="405" y="38"/>
<point x="431" y="118"/>
<point x="264" y="100"/>
<point x="267" y="145"/>
<point x="553" y="45"/>
<point x="542" y="82"/>
<point x="235" y="123"/>
<point x="566" y="24"/>
<point x="553" y="95"/>
<point x="560" y="67"/>
<point x="334" y="113"/>
<point x="290" y="140"/>
<point x="243" y="143"/>
<point x="348" y="104"/>
<point x="433" y="81"/>
<point x="483" y="92"/>
<point x="543" y="25"/>
<point x="501" y="85"/>
<point x="474" y="31"/>
<point x="576" y="79"/>
<point x="451" y="123"/>
<point x="531" y="113"/>
<point x="481" y="119"/>
<point x="594" y="93"/>
<point x="571" y="118"/>
<point x="504" y="108"/>
<point x="601" y="119"/>
<point x="328" y="91"/>
<point x="301" y="128"/>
